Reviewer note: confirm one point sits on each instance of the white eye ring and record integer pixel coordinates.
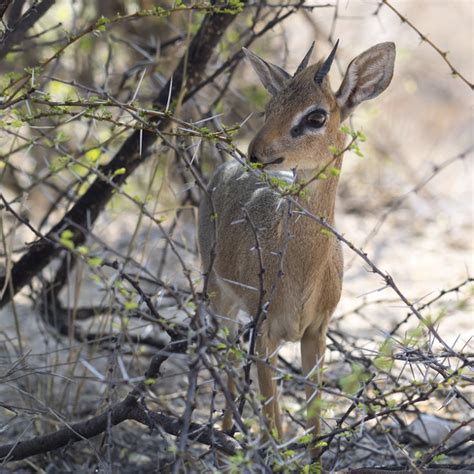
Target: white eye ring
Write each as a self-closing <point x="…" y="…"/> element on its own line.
<point x="299" y="127"/>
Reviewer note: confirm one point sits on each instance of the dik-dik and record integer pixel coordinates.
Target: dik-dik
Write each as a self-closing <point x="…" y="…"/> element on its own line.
<point x="250" y="235"/>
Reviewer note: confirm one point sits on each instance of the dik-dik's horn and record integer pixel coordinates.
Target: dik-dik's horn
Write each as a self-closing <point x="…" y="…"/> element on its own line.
<point x="324" y="69"/>
<point x="305" y="60"/>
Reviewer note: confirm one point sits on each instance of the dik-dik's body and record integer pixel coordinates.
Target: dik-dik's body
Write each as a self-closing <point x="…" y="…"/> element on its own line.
<point x="259" y="237"/>
<point x="294" y="291"/>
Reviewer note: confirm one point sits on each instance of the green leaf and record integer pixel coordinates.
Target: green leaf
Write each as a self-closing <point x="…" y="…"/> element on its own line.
<point x="129" y="305"/>
<point x="307" y="438"/>
<point x="383" y="363"/>
<point x="83" y="249"/>
<point x="67" y="234"/>
<point x="101" y="23"/>
<point x="93" y="155"/>
<point x="94" y="261"/>
<point x="66" y="239"/>
<point x="120" y="171"/>
<point x="69" y="244"/>
<point x="352" y="382"/>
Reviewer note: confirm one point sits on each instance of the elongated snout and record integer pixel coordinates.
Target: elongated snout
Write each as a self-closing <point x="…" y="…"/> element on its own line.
<point x="262" y="150"/>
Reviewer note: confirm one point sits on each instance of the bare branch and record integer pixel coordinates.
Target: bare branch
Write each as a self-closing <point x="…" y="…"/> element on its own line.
<point x="16" y="34"/>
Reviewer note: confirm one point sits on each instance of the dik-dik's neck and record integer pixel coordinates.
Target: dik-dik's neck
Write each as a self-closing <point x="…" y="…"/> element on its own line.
<point x="320" y="198"/>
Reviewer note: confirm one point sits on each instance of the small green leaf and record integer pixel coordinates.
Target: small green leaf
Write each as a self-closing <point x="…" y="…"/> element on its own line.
<point x="67" y="234"/>
<point x="307" y="438"/>
<point x="383" y="363"/>
<point x="351" y="383"/>
<point x="83" y="249"/>
<point x="101" y="23"/>
<point x="120" y="171"/>
<point x="66" y="239"/>
<point x="94" y="261"/>
<point x="129" y="305"/>
<point x="93" y="155"/>
<point x="69" y="244"/>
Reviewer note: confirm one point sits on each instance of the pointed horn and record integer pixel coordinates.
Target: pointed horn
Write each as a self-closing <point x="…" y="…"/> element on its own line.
<point x="305" y="60"/>
<point x="324" y="69"/>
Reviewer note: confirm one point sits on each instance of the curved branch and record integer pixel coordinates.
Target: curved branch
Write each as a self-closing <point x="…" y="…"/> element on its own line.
<point x="127" y="409"/>
<point x="132" y="153"/>
<point x="16" y="34"/>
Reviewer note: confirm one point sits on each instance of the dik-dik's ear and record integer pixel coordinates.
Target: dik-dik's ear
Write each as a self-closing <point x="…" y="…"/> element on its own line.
<point x="272" y="77"/>
<point x="367" y="76"/>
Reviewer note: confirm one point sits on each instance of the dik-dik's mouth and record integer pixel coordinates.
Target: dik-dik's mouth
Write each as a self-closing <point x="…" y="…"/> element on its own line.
<point x="276" y="161"/>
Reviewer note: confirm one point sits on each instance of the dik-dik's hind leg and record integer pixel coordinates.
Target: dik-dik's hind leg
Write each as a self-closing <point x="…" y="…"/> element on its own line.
<point x="228" y="313"/>
<point x="268" y="387"/>
<point x="313" y="346"/>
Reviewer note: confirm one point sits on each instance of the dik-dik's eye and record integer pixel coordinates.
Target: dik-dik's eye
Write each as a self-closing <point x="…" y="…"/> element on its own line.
<point x="316" y="119"/>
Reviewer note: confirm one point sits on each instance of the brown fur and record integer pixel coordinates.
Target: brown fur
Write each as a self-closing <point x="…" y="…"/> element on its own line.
<point x="303" y="267"/>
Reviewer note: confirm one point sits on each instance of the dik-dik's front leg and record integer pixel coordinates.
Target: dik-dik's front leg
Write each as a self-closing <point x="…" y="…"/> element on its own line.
<point x="313" y="346"/>
<point x="266" y="351"/>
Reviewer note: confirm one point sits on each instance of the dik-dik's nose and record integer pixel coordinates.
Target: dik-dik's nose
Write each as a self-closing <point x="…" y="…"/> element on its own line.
<point x="253" y="155"/>
<point x="264" y="157"/>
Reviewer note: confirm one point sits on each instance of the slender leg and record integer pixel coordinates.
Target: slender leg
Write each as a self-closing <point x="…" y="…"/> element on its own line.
<point x="268" y="389"/>
<point x="313" y="346"/>
<point x="225" y="307"/>
<point x="228" y="420"/>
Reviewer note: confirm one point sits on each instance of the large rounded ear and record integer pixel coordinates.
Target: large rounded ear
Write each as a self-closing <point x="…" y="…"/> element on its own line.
<point x="272" y="77"/>
<point x="367" y="76"/>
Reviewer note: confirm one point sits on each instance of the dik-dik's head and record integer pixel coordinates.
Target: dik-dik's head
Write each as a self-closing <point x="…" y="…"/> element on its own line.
<point x="303" y="117"/>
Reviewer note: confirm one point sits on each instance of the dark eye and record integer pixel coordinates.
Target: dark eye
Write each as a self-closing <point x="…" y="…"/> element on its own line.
<point x="316" y="119"/>
<point x="296" y="131"/>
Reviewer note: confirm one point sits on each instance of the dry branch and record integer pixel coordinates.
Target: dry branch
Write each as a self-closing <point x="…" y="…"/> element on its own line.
<point x="132" y="153"/>
<point x="128" y="409"/>
<point x="444" y="54"/>
<point x="17" y="33"/>
<point x="4" y="4"/>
